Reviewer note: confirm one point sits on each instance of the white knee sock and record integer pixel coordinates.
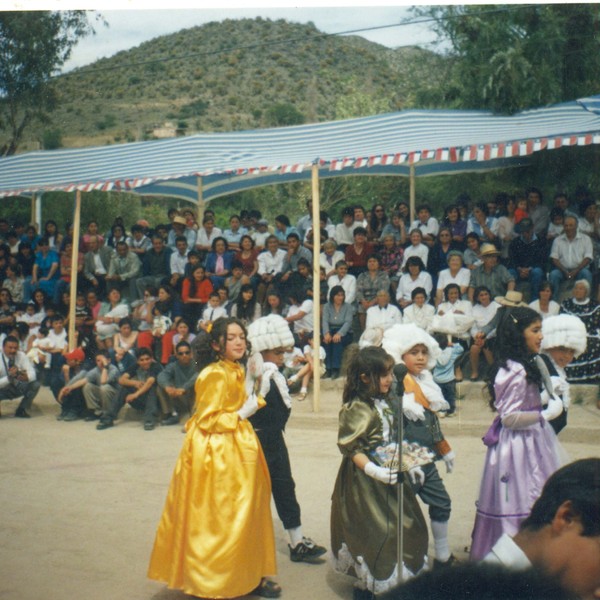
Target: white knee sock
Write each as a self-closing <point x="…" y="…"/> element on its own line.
<point x="440" y="539"/>
<point x="295" y="535"/>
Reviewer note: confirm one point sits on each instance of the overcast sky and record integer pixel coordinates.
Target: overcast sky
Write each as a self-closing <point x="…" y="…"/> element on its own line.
<point x="129" y="28"/>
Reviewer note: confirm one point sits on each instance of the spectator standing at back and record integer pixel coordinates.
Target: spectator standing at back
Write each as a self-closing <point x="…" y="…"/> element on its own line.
<point x="140" y="242"/>
<point x="207" y="234"/>
<point x="261" y="234"/>
<point x="179" y="228"/>
<point x="96" y="263"/>
<point x="426" y="224"/>
<point x="538" y="213"/>
<point x="156" y="266"/>
<point x="123" y="271"/>
<point x="289" y="268"/>
<point x="527" y="257"/>
<point x="344" y="231"/>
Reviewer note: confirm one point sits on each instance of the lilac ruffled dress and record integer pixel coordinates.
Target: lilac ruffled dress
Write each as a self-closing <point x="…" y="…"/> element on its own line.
<point x="516" y="467"/>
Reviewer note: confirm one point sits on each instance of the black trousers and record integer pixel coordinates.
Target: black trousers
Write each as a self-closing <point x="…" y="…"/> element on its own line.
<point x="282" y="483"/>
<point x="148" y="403"/>
<point x="434" y="494"/>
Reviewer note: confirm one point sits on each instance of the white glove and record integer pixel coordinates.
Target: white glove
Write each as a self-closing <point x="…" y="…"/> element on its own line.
<point x="555" y="407"/>
<point x="559" y="385"/>
<point x="417" y="476"/>
<point x="412" y="409"/>
<point x="449" y="460"/>
<point x="383" y="474"/>
<point x="265" y="384"/>
<point x="438" y="405"/>
<point x="254" y="368"/>
<point x="249" y="407"/>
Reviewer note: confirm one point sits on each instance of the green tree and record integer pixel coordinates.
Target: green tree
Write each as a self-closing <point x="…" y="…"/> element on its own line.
<point x="33" y="47"/>
<point x="355" y="101"/>
<point x="513" y="57"/>
<point x="282" y="114"/>
<point x="52" y="139"/>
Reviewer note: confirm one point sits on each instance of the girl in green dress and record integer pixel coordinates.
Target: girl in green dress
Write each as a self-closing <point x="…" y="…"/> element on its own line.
<point x="364" y="511"/>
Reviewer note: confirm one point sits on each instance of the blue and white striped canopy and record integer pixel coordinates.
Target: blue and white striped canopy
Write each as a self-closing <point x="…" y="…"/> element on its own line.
<point x="431" y="141"/>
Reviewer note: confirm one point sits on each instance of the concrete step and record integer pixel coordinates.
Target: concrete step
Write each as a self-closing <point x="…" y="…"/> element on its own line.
<point x="473" y="418"/>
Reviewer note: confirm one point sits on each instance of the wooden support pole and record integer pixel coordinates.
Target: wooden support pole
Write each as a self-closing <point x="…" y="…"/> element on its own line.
<point x="33" y="208"/>
<point x="412" y="195"/>
<point x="74" y="264"/>
<point x="200" y="208"/>
<point x="316" y="287"/>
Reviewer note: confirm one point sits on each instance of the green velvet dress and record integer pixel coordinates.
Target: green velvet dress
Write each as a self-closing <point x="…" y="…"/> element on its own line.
<point x="364" y="512"/>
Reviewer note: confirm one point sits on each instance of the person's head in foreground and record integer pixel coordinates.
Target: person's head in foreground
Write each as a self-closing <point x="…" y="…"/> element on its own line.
<point x="479" y="581"/>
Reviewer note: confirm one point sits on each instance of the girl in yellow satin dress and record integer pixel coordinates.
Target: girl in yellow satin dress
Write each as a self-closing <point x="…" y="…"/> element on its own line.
<point x="215" y="538"/>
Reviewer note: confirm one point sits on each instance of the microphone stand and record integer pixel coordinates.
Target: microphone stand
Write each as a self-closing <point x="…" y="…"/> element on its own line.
<point x="400" y="372"/>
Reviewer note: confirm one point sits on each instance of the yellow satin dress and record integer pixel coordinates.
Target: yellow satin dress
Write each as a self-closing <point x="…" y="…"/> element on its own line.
<point x="215" y="537"/>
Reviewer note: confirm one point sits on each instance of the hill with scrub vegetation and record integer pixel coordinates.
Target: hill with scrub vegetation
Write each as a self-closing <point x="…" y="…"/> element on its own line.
<point x="234" y="75"/>
<point x="255" y="73"/>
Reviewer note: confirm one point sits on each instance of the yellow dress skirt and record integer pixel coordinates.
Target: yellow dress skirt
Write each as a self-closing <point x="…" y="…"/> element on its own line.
<point x="215" y="537"/>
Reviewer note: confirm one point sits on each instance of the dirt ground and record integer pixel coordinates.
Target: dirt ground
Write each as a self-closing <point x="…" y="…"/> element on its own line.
<point x="80" y="506"/>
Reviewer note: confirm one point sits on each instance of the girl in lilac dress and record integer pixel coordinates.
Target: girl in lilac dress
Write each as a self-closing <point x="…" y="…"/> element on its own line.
<point x="523" y="450"/>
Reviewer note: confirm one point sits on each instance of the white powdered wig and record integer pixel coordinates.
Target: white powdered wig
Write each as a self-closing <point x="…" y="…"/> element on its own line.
<point x="270" y="332"/>
<point x="564" y="330"/>
<point x="371" y="337"/>
<point x="399" y="339"/>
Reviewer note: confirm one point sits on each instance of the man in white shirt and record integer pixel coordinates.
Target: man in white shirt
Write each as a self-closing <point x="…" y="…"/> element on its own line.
<point x="96" y="263"/>
<point x="571" y="254"/>
<point x="348" y="282"/>
<point x="426" y="224"/>
<point x="17" y="377"/>
<point x="270" y="264"/>
<point x="178" y="261"/>
<point x="261" y="234"/>
<point x="344" y="231"/>
<point x="383" y="314"/>
<point x="207" y="234"/>
<point x="561" y="535"/>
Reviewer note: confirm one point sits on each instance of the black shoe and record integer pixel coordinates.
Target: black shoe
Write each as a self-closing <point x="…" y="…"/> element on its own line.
<point x="327" y="374"/>
<point x="451" y="562"/>
<point x="306" y="551"/>
<point x="71" y="416"/>
<point x="61" y="416"/>
<point x="358" y="594"/>
<point x="21" y="413"/>
<point x="104" y="424"/>
<point x="148" y="426"/>
<point x="335" y="373"/>
<point x="92" y="417"/>
<point x="170" y="420"/>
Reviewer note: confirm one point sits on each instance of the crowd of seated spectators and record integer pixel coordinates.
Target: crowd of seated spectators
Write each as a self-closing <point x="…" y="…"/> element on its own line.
<point x="144" y="292"/>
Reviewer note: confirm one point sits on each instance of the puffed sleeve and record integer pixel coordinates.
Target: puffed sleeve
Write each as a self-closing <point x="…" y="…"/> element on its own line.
<point x="357" y="429"/>
<point x="510" y="388"/>
<point x="213" y="413"/>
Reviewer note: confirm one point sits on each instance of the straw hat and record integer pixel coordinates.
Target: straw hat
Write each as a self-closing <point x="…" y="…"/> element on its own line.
<point x="512" y="298"/>
<point x="489" y="250"/>
<point x="180" y="220"/>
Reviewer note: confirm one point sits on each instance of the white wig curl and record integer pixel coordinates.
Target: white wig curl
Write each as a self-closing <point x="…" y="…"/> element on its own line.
<point x="564" y="330"/>
<point x="399" y="339"/>
<point x="270" y="332"/>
